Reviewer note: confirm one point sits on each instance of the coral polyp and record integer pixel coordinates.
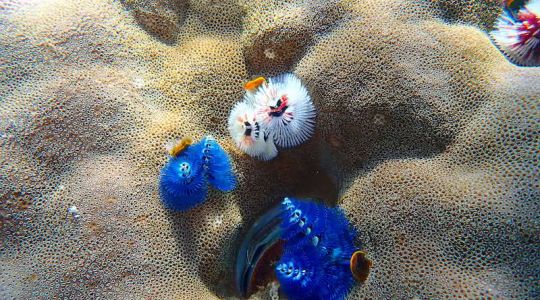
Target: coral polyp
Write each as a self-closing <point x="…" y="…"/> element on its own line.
<point x="184" y="179"/>
<point x="248" y="134"/>
<point x="284" y="107"/>
<point x="518" y="33"/>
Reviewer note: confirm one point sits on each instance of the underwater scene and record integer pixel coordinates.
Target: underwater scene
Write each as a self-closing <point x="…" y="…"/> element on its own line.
<point x="277" y="149"/>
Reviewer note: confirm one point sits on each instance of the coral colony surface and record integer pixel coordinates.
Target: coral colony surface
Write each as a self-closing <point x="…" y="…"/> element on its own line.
<point x="410" y="125"/>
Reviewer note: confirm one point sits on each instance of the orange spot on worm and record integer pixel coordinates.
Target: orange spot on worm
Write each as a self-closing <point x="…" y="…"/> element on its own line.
<point x="360" y="265"/>
<point x="180" y="146"/>
<point x="254" y="84"/>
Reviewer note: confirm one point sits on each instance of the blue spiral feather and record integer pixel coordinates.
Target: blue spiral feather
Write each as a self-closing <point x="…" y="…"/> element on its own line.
<point x="298" y="273"/>
<point x="303" y="274"/>
<point x="318" y="247"/>
<point x="182" y="182"/>
<point x="219" y="166"/>
<point x="302" y="221"/>
<point x="184" y="179"/>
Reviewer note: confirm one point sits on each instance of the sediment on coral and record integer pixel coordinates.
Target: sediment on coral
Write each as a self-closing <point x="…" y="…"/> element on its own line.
<point x="426" y="136"/>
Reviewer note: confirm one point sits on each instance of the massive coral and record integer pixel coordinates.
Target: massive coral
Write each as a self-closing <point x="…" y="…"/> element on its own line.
<point x="426" y="135"/>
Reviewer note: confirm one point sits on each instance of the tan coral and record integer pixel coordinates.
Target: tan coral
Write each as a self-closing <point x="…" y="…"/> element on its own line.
<point x="426" y="136"/>
<point x="160" y="18"/>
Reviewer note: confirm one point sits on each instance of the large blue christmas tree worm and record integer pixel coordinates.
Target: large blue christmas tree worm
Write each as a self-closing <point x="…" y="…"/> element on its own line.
<point x="319" y="259"/>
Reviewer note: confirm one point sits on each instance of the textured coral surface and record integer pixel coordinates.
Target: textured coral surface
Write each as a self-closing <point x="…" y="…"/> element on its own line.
<point x="426" y="135"/>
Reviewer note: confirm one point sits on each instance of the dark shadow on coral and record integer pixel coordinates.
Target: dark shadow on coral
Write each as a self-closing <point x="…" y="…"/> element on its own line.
<point x="382" y="133"/>
<point x="161" y="19"/>
<point x="188" y="234"/>
<point x="270" y="56"/>
<point x="277" y="49"/>
<point x="457" y="12"/>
